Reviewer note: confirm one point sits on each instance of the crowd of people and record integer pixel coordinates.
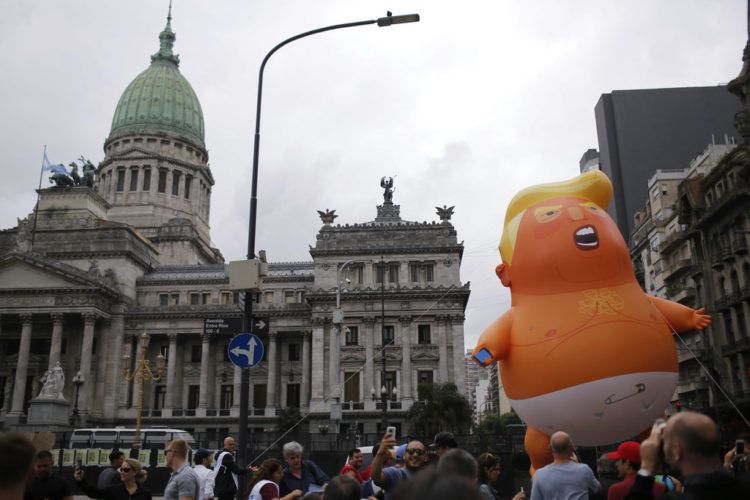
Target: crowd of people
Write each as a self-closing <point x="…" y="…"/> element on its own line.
<point x="680" y="459"/>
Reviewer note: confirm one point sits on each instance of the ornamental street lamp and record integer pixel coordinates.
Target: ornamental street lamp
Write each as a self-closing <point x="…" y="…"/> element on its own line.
<point x="248" y="316"/>
<point x="338" y="318"/>
<point x="142" y="372"/>
<point x="78" y="381"/>
<point x="384" y="398"/>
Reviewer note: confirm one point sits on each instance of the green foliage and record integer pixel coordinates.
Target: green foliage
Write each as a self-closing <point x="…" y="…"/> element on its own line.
<point x="440" y="408"/>
<point x="510" y="418"/>
<point x="496" y="424"/>
<point x="288" y="418"/>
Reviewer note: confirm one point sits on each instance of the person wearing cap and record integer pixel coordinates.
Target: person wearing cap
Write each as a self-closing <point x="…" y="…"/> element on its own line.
<point x="202" y="469"/>
<point x="628" y="462"/>
<point x="443" y="442"/>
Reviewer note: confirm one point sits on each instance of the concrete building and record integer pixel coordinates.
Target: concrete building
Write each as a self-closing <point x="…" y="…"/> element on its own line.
<point x="95" y="268"/>
<point x="642" y="131"/>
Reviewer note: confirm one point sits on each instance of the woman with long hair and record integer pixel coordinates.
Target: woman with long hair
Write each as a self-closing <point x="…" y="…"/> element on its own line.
<point x="130" y="486"/>
<point x="265" y="483"/>
<point x="488" y="471"/>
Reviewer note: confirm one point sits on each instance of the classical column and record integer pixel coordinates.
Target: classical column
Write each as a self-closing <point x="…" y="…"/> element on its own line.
<point x="171" y="398"/>
<point x="459" y="361"/>
<point x="273" y="375"/>
<point x="205" y="348"/>
<point x="369" y="380"/>
<point x="126" y="347"/>
<point x="742" y="372"/>
<point x="305" y="389"/>
<point x="735" y="333"/>
<point x="56" y="344"/>
<point x="731" y="376"/>
<point x="22" y="367"/>
<point x="317" y="367"/>
<point x="332" y="361"/>
<point x="102" y="365"/>
<point x="443" y="326"/>
<point x="114" y="366"/>
<point x="406" y="340"/>
<point x="84" y="401"/>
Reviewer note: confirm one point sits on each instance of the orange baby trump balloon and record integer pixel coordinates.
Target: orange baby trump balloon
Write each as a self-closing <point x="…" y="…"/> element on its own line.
<point x="582" y="349"/>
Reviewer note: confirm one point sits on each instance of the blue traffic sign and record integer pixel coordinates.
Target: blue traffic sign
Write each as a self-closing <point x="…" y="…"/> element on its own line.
<point x="245" y="350"/>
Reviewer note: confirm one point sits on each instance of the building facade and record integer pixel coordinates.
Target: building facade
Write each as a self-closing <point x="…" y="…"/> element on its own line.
<point x="93" y="268"/>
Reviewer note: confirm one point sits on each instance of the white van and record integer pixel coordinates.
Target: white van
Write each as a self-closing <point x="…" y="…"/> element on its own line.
<point x="122" y="438"/>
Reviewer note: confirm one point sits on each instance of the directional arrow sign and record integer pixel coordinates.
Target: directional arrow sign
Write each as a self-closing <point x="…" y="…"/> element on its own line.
<point x="245" y="350"/>
<point x="260" y="325"/>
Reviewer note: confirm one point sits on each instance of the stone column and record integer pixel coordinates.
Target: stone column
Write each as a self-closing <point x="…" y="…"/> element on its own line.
<point x="237" y="381"/>
<point x="443" y="326"/>
<point x="85" y="396"/>
<point x="406" y="340"/>
<point x="114" y="383"/>
<point x="742" y="372"/>
<point x="171" y="398"/>
<point x="22" y="367"/>
<point x="735" y="333"/>
<point x="459" y="360"/>
<point x="56" y="344"/>
<point x="273" y="375"/>
<point x="305" y="389"/>
<point x="369" y="376"/>
<point x="102" y="364"/>
<point x="332" y="361"/>
<point x="127" y="347"/>
<point x="732" y="375"/>
<point x="317" y="362"/>
<point x="205" y="349"/>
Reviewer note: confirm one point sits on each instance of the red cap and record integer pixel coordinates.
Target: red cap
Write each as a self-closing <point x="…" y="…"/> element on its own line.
<point x="629" y="450"/>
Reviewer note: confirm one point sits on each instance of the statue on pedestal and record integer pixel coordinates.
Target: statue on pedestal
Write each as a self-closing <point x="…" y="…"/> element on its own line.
<point x="53" y="383"/>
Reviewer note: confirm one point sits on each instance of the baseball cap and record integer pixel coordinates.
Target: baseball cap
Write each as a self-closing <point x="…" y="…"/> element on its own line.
<point x="629" y="450"/>
<point x="200" y="455"/>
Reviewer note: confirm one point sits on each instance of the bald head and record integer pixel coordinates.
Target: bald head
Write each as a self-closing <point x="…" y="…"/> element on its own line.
<point x="561" y="444"/>
<point x="696" y="433"/>
<point x="229" y="443"/>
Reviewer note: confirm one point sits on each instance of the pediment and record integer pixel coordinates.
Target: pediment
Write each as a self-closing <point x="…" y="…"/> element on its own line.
<point x="26" y="272"/>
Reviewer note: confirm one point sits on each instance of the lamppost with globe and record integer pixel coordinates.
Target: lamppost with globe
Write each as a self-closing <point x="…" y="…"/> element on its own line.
<point x="141" y="373"/>
<point x="78" y="381"/>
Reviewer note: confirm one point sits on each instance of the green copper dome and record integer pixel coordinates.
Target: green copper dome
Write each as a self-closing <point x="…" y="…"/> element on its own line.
<point x="160" y="99"/>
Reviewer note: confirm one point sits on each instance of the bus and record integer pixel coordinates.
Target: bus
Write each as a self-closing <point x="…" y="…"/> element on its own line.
<point x="122" y="438"/>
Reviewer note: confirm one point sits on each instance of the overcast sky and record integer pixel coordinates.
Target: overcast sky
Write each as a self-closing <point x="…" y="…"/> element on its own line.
<point x="464" y="108"/>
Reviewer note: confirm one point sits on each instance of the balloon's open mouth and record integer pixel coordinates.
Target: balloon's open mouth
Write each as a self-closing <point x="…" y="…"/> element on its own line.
<point x="586" y="238"/>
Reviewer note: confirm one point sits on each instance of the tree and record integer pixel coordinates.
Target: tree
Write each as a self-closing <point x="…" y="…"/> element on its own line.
<point x="440" y="408"/>
<point x="497" y="424"/>
<point x="288" y="418"/>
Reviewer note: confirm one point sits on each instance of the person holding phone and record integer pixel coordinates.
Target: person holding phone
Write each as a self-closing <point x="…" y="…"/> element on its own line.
<point x="130" y="486"/>
<point x="415" y="458"/>
<point x="45" y="484"/>
<point x="691" y="444"/>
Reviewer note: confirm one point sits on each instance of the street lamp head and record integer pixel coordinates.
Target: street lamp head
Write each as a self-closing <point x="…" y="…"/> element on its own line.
<point x="144" y="338"/>
<point x="390" y="19"/>
<point x="160" y="363"/>
<point x="383" y="390"/>
<point x="78" y="379"/>
<point x="394" y="391"/>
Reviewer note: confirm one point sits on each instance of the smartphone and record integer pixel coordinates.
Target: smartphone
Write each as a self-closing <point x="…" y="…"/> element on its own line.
<point x="661" y="423"/>
<point x="739" y="447"/>
<point x="391" y="430"/>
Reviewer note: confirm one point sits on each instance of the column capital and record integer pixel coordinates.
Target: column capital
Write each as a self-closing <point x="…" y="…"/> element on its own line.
<point x="273" y="336"/>
<point x="405" y="320"/>
<point x="89" y="318"/>
<point x="172" y="337"/>
<point x="368" y="320"/>
<point x="317" y="322"/>
<point x="458" y="319"/>
<point x="442" y="318"/>
<point x="26" y="318"/>
<point x="57" y="318"/>
<point x="106" y="322"/>
<point x="205" y="338"/>
<point x="306" y="335"/>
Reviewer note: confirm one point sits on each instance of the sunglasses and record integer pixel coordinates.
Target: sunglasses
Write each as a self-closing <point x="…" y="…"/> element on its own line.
<point x="125" y="469"/>
<point x="417" y="452"/>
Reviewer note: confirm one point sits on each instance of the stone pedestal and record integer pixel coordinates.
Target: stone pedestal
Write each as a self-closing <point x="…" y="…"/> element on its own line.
<point x="52" y="412"/>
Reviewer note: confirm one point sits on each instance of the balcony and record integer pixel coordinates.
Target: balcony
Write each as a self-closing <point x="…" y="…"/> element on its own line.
<point x="728" y="300"/>
<point x="671" y="241"/>
<point x="392" y="405"/>
<point x="727" y="201"/>
<point x="682" y="294"/>
<point x="353" y="405"/>
<point x="678" y="268"/>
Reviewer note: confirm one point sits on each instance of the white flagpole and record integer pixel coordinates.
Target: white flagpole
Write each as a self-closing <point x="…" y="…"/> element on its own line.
<point x="36" y="207"/>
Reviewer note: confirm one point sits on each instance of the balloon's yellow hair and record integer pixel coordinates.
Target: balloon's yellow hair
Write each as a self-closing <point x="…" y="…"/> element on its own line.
<point x="593" y="186"/>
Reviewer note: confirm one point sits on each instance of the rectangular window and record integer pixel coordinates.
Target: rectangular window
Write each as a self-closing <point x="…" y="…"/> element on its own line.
<point x="147" y="179"/>
<point x="379" y="270"/>
<point x="424" y="334"/>
<point x="268" y="297"/>
<point x="120" y="179"/>
<point x="176" y="182"/>
<point x="163" y="299"/>
<point x="259" y="396"/>
<point x="227" y="396"/>
<point x="421" y="273"/>
<point x="188" y="181"/>
<point x="388" y="335"/>
<point x="206" y="298"/>
<point x="174" y="299"/>
<point x="196" y="352"/>
<point x="193" y="396"/>
<point x="292" y="395"/>
<point x="355" y="273"/>
<point x="160" y="393"/>
<point x="294" y="352"/>
<point x="388" y="379"/>
<point x="134" y="179"/>
<point x="195" y="299"/>
<point x="351" y="387"/>
<point x="162" y="187"/>
<point x="290" y="297"/>
<point x="424" y="377"/>
<point x="393" y="273"/>
<point x="351" y="334"/>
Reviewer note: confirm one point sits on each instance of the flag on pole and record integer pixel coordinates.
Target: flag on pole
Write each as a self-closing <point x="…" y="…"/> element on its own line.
<point x="48" y="167"/>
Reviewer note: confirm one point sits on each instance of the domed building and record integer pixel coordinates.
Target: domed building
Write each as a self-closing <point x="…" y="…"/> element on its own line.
<point x="100" y="264"/>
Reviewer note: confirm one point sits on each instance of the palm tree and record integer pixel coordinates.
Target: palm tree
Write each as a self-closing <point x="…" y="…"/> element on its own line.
<point x="440" y="408"/>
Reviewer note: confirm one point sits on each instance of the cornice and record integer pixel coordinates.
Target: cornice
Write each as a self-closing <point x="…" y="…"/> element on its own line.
<point x="317" y="296"/>
<point x="459" y="248"/>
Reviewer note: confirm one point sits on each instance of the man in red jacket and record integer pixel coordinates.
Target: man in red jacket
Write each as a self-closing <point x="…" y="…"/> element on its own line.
<point x="628" y="462"/>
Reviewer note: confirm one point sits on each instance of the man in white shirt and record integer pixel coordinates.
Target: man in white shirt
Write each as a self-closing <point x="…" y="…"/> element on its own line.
<point x="202" y="469"/>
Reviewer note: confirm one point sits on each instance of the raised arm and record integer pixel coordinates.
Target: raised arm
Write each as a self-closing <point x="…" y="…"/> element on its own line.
<point x="680" y="317"/>
<point x="494" y="343"/>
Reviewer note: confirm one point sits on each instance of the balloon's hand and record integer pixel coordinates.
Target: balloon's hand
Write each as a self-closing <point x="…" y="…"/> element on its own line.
<point x="700" y="319"/>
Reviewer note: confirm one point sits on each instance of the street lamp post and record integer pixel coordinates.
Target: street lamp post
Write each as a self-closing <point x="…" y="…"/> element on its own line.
<point x="338" y="319"/>
<point x="248" y="312"/>
<point x="78" y="381"/>
<point x="141" y="373"/>
<point x="384" y="397"/>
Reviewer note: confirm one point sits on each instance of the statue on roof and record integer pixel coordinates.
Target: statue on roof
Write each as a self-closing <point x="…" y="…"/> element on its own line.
<point x="88" y="172"/>
<point x="327" y="216"/>
<point x="387" y="184"/>
<point x="445" y="212"/>
<point x="71" y="177"/>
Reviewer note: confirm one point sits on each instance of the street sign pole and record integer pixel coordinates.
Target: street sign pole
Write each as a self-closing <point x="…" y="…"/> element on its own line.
<point x="244" y="398"/>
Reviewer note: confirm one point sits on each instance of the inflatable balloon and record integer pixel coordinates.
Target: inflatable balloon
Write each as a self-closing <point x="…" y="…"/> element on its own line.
<point x="582" y="349"/>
